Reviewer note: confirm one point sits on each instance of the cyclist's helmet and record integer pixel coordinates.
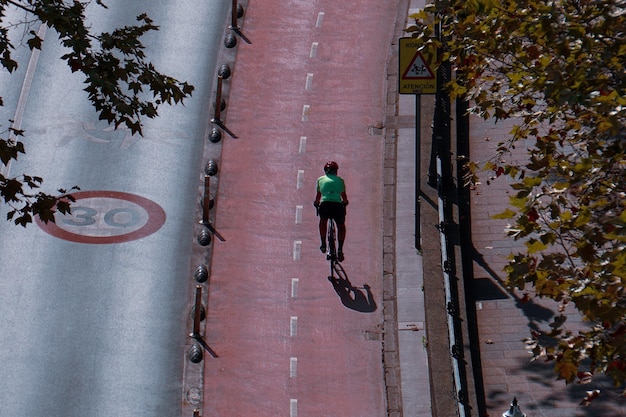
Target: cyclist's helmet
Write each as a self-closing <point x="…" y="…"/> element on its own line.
<point x="331" y="167"/>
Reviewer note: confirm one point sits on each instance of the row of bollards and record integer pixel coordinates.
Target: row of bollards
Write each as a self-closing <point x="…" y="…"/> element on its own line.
<point x="198" y="313"/>
<point x="201" y="274"/>
<point x="230" y="41"/>
<point x="237" y="12"/>
<point x="204" y="238"/>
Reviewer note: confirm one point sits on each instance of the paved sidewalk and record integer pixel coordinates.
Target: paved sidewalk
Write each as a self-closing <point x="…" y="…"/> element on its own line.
<point x="412" y="338"/>
<point x="505" y="318"/>
<point x="406" y="335"/>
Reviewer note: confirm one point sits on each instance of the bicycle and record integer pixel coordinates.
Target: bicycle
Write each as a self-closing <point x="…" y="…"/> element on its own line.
<point x="331" y="250"/>
<point x="331" y="254"/>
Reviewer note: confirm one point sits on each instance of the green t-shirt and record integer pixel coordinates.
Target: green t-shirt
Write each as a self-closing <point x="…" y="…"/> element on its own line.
<point x="331" y="186"/>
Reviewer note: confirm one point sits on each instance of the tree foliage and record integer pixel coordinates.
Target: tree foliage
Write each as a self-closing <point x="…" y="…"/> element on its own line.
<point x="557" y="69"/>
<point x="121" y="84"/>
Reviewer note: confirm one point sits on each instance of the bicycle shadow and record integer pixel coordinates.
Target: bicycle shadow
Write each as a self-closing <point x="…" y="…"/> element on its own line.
<point x="352" y="297"/>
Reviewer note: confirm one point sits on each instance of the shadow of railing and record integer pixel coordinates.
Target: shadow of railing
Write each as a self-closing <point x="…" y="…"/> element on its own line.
<point x="495" y="288"/>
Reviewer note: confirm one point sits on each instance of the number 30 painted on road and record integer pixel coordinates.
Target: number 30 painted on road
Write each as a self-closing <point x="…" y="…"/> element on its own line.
<point x="107" y="217"/>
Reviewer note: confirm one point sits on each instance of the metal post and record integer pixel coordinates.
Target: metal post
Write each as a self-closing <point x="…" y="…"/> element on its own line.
<point x="233" y="24"/>
<point x="418" y="186"/>
<point x="206" y="201"/>
<point x="218" y="108"/>
<point x="218" y="99"/>
<point x="197" y="310"/>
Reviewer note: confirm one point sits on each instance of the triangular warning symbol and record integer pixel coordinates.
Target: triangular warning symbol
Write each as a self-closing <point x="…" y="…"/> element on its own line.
<point x="418" y="70"/>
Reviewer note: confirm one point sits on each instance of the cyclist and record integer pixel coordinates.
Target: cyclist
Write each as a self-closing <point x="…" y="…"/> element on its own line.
<point x="331" y="199"/>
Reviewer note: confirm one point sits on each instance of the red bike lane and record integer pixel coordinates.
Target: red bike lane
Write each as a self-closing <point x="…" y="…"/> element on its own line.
<point x="309" y="88"/>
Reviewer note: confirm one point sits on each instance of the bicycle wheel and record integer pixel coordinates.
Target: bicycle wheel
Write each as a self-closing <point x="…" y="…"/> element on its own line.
<point x="332" y="248"/>
<point x="338" y="271"/>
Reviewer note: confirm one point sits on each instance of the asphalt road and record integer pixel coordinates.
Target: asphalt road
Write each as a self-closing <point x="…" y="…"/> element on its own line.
<point x="93" y="311"/>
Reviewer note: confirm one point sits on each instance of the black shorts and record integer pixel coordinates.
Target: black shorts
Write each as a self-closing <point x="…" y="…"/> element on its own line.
<point x="333" y="210"/>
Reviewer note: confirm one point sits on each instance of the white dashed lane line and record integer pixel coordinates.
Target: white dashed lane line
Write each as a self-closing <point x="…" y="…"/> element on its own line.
<point x="293" y="367"/>
<point x="294" y="287"/>
<point x="320" y="19"/>
<point x="306" y="109"/>
<point x="293" y="409"/>
<point x="297" y="250"/>
<point x="300" y="179"/>
<point x="293" y="326"/>
<point x="299" y="214"/>
<point x="302" y="148"/>
<point x="297" y="244"/>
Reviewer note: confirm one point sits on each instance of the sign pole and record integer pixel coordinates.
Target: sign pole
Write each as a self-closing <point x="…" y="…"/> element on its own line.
<point x="418" y="186"/>
<point x="416" y="77"/>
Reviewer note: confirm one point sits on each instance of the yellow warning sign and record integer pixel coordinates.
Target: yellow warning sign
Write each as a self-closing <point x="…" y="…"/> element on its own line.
<point x="417" y="76"/>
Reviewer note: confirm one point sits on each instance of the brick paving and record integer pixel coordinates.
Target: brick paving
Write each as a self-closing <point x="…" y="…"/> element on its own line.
<point x="504" y="321"/>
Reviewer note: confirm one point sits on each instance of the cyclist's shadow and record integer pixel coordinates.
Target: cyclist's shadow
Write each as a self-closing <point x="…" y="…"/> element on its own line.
<point x="352" y="297"/>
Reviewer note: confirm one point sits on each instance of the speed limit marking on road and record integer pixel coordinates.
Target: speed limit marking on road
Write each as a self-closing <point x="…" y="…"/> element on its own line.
<point x="106" y="217"/>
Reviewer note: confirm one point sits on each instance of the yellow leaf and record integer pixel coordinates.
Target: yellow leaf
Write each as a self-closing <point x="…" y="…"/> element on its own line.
<point x="566" y="216"/>
<point x="515" y="77"/>
<point x="559" y="186"/>
<point x="470" y="19"/>
<point x="420" y="15"/>
<point x="535" y="246"/>
<point x="582" y="218"/>
<point x="518" y="202"/>
<point x="489" y="166"/>
<point x="456" y="89"/>
<point x="506" y="214"/>
<point x="566" y="370"/>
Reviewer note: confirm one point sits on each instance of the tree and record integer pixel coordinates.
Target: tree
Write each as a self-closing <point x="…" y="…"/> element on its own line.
<point x="557" y="68"/>
<point x="116" y="74"/>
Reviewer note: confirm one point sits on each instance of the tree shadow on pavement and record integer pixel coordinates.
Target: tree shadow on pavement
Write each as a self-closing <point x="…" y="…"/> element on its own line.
<point x="545" y="395"/>
<point x="352" y="297"/>
<point x="542" y="393"/>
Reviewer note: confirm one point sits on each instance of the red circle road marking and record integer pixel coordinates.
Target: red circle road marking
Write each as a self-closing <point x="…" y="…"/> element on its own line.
<point x="106" y="217"/>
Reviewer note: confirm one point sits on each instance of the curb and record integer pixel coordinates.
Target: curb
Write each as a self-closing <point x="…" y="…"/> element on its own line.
<point x="391" y="360"/>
